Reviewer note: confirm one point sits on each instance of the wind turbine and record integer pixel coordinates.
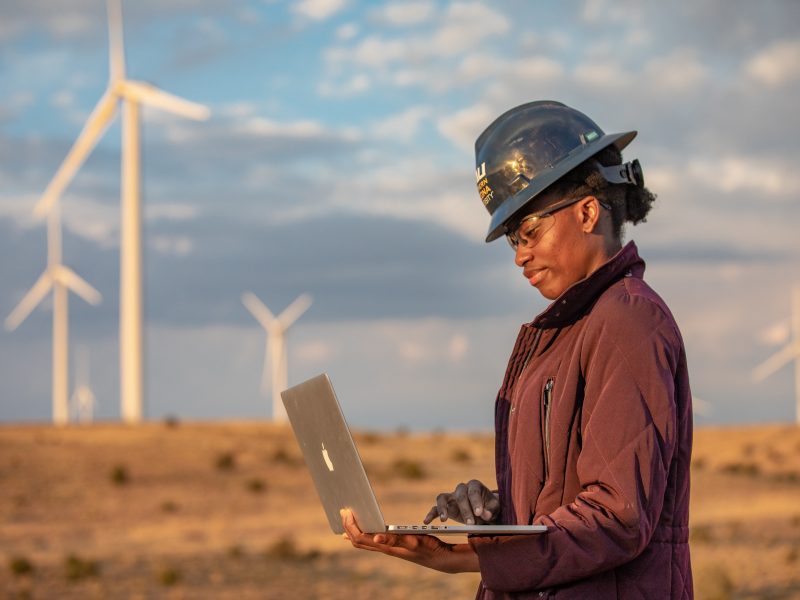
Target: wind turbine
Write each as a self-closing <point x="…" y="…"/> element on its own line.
<point x="275" y="359"/>
<point x="789" y="352"/>
<point x="131" y="94"/>
<point x="60" y="279"/>
<point x="83" y="399"/>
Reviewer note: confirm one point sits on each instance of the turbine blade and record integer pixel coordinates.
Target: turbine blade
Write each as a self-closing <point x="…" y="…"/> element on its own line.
<point x="91" y="133"/>
<point x="29" y="301"/>
<point x="295" y="310"/>
<point x="701" y="407"/>
<point x="116" y="43"/>
<point x="69" y="278"/>
<point x="145" y="93"/>
<point x="258" y="309"/>
<point x="775" y="362"/>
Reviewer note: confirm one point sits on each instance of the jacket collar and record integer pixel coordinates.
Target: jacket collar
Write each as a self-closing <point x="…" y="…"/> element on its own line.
<point x="576" y="299"/>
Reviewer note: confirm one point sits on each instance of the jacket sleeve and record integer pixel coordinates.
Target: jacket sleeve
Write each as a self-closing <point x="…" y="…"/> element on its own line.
<point x="629" y="358"/>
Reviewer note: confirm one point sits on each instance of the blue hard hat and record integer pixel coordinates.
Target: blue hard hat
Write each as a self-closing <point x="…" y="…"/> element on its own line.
<point x="527" y="149"/>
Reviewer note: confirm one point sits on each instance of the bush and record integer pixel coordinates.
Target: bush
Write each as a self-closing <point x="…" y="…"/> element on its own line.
<point x="256" y="486"/>
<point x="171" y="421"/>
<point x="168" y="506"/>
<point x="461" y="456"/>
<point x="701" y="534"/>
<point x="119" y="475"/>
<point x="285" y="549"/>
<point x="236" y="552"/>
<point x="20" y="565"/>
<point x="77" y="568"/>
<point x="169" y="576"/>
<point x="748" y="469"/>
<point x="408" y="469"/>
<point x="714" y="583"/>
<point x="282" y="457"/>
<point x="226" y="461"/>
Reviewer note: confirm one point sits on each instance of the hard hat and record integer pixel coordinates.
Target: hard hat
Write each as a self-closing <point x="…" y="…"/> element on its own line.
<point x="530" y="147"/>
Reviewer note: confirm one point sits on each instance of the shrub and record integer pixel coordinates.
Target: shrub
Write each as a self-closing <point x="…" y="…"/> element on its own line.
<point x="460" y="455"/>
<point x="748" y="469"/>
<point x="236" y="552"/>
<point x="698" y="464"/>
<point x="701" y="534"/>
<point x="169" y="576"/>
<point x="282" y="457"/>
<point x="119" y="475"/>
<point x="226" y="461"/>
<point x="714" y="583"/>
<point x="408" y="469"/>
<point x="168" y="506"/>
<point x="20" y="565"/>
<point x="256" y="486"/>
<point x="285" y="549"/>
<point x="369" y="438"/>
<point x="171" y="421"/>
<point x="77" y="568"/>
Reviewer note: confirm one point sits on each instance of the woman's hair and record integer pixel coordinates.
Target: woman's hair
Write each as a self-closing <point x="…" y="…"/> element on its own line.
<point x="629" y="203"/>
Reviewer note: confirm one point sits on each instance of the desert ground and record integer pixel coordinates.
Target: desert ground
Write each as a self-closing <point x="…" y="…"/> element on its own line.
<point x="227" y="510"/>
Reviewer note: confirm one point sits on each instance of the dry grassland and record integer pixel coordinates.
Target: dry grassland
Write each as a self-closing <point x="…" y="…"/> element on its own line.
<point x="227" y="510"/>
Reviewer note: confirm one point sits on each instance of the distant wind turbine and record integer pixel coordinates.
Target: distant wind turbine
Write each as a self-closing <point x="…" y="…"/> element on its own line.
<point x="131" y="94"/>
<point x="60" y="279"/>
<point x="83" y="399"/>
<point x="275" y="357"/>
<point x="791" y="351"/>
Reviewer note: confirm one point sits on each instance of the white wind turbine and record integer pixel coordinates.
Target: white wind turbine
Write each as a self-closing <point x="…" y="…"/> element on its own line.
<point x="60" y="279"/>
<point x="275" y="360"/>
<point x="791" y="351"/>
<point x="131" y="94"/>
<point x="83" y="399"/>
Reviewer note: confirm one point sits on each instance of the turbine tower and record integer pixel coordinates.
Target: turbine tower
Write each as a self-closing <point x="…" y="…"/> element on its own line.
<point x="83" y="399"/>
<point x="60" y="279"/>
<point x="789" y="352"/>
<point x="132" y="94"/>
<point x="275" y="360"/>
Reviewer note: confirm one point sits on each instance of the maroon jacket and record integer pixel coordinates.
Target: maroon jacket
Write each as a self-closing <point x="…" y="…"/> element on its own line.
<point x="593" y="439"/>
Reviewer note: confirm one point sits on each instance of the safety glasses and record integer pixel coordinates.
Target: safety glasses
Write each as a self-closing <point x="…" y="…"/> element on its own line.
<point x="531" y="228"/>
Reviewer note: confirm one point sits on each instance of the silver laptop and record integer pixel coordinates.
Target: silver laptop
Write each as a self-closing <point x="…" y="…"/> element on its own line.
<point x="332" y="458"/>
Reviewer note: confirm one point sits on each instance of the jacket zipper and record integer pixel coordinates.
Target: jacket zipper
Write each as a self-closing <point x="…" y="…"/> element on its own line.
<point x="547" y="400"/>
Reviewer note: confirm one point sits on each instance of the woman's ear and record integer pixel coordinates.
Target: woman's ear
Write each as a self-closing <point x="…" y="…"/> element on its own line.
<point x="589" y="211"/>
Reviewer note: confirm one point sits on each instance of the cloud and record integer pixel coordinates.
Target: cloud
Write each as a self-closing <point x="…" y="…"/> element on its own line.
<point x="404" y="14"/>
<point x="402" y="126"/>
<point x="318" y="10"/>
<point x="464" y="126"/>
<point x="738" y="173"/>
<point x="678" y="72"/>
<point x="347" y="31"/>
<point x="777" y="64"/>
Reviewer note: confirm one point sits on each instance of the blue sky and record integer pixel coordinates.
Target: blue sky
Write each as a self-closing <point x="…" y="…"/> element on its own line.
<point x="338" y="162"/>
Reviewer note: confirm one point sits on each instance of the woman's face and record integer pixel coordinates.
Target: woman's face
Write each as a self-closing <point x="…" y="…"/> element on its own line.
<point x="564" y="252"/>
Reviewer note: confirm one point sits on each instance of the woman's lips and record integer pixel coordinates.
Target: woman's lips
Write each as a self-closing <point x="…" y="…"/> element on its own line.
<point x="534" y="276"/>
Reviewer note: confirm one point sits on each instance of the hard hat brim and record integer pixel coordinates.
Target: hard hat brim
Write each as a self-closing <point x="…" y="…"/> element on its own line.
<point x="510" y="207"/>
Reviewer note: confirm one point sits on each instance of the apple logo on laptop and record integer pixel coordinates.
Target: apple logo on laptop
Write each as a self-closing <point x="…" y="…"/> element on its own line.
<point x="327" y="458"/>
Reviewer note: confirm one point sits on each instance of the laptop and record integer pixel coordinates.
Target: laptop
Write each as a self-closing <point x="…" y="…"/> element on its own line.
<point x="338" y="473"/>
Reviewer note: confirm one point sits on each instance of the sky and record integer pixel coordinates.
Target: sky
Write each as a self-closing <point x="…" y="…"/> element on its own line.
<point x="338" y="161"/>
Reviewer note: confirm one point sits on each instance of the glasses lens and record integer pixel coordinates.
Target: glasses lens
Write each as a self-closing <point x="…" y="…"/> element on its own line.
<point x="529" y="232"/>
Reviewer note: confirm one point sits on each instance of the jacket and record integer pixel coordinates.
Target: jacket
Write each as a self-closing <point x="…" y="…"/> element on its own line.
<point x="593" y="439"/>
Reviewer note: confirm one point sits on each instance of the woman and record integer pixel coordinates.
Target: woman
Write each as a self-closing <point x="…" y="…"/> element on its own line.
<point x="593" y="419"/>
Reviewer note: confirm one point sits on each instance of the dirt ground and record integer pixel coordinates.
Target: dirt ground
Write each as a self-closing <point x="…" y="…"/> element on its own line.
<point x="227" y="510"/>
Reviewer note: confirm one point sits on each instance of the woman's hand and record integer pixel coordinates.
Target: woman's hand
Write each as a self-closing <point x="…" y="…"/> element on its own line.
<point x="425" y="550"/>
<point x="469" y="503"/>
